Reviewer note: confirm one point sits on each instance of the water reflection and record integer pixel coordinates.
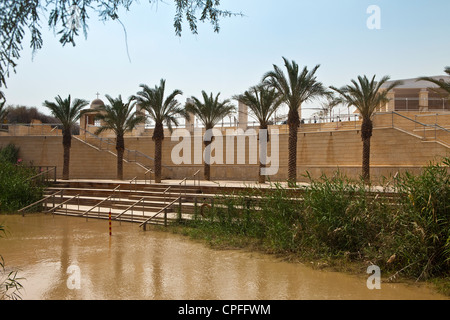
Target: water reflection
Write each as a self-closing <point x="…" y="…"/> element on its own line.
<point x="133" y="264"/>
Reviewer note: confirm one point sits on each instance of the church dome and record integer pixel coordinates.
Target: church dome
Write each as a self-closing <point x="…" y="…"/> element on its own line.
<point x="97" y="103"/>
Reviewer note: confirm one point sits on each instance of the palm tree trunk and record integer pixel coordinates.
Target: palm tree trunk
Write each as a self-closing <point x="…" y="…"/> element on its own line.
<point x="158" y="137"/>
<point x="262" y="154"/>
<point x="67" y="143"/>
<point x="366" y="135"/>
<point x="120" y="147"/>
<point x="262" y="178"/>
<point x="207" y="169"/>
<point x="158" y="160"/>
<point x="294" y="122"/>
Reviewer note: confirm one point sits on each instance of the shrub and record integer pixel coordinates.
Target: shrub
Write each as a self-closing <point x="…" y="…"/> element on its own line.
<point x="16" y="190"/>
<point x="10" y="153"/>
<point x="341" y="218"/>
<point x="424" y="223"/>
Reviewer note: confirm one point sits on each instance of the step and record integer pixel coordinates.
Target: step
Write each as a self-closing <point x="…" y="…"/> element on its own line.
<point x="115" y="210"/>
<point x="121" y="192"/>
<point x="171" y="218"/>
<point x="122" y="204"/>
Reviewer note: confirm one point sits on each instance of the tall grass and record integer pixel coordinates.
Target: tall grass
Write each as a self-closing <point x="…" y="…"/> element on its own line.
<point x="336" y="217"/>
<point x="343" y="217"/>
<point x="423" y="242"/>
<point x="16" y="188"/>
<point x="10" y="287"/>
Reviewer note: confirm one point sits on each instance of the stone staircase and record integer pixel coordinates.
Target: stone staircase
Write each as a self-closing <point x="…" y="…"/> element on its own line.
<point x="136" y="202"/>
<point x="127" y="202"/>
<point x="151" y="204"/>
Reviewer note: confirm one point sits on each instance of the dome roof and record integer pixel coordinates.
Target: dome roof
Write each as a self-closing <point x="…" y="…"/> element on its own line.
<point x="96" y="103"/>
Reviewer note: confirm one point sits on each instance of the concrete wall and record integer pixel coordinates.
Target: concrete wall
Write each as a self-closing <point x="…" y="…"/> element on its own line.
<point x="318" y="152"/>
<point x="85" y="162"/>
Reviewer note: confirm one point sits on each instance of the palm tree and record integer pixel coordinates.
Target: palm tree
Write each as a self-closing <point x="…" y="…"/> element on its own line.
<point x="68" y="113"/>
<point x="441" y="84"/>
<point x="210" y="112"/>
<point x="263" y="102"/>
<point x="327" y="106"/>
<point x="296" y="88"/>
<point x="366" y="96"/>
<point x="162" y="111"/>
<point x="120" y="118"/>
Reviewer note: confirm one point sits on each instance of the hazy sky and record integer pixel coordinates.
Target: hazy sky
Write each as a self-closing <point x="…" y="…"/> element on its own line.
<point x="414" y="40"/>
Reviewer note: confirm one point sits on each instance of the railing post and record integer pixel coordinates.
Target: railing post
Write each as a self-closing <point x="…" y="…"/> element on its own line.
<point x="179" y="211"/>
<point x="165" y="217"/>
<point x="195" y="207"/>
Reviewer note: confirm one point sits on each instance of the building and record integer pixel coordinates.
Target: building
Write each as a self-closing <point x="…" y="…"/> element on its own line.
<point x="418" y="95"/>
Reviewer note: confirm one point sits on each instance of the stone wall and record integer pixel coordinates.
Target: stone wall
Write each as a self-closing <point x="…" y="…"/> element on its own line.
<point x="393" y="150"/>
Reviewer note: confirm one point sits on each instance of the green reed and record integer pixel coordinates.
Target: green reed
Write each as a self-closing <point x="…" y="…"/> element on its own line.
<point x="406" y="231"/>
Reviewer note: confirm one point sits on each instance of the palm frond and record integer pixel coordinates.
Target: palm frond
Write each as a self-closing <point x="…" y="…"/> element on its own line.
<point x="366" y="95"/>
<point x="211" y="111"/>
<point x="3" y="111"/>
<point x="160" y="109"/>
<point x="118" y="116"/>
<point x="441" y="84"/>
<point x="296" y="87"/>
<point x="262" y="100"/>
<point x="65" y="110"/>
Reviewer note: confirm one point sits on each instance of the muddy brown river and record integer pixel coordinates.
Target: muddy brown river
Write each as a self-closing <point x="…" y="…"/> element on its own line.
<point x="63" y="258"/>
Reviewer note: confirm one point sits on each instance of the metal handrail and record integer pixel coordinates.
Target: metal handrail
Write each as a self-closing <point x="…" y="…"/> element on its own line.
<point x="442" y="128"/>
<point x="63" y="203"/>
<point x="126" y="151"/>
<point x="159" y="212"/>
<point x="97" y="205"/>
<point x="435" y="126"/>
<point x="129" y="208"/>
<point x="420" y="123"/>
<point x="101" y="202"/>
<point x="37" y="202"/>
<point x="195" y="174"/>
<point x="135" y="183"/>
<point x="145" y="176"/>
<point x="183" y="181"/>
<point x="42" y="173"/>
<point x="164" y="193"/>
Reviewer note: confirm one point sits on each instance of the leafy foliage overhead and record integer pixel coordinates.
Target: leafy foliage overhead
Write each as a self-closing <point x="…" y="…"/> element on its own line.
<point x="69" y="17"/>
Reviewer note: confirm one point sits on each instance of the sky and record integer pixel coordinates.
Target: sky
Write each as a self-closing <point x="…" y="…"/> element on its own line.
<point x="413" y="40"/>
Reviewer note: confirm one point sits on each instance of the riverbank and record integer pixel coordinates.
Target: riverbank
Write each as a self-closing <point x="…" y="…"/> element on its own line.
<point x="340" y="224"/>
<point x="226" y="242"/>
